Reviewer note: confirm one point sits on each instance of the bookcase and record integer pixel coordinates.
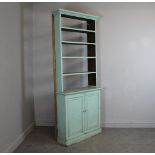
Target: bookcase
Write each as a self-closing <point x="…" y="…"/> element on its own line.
<point x="75" y="76"/>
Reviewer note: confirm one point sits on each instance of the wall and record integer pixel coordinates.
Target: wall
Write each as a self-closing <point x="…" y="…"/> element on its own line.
<point x="16" y="93"/>
<point x="126" y="37"/>
<point x="27" y="58"/>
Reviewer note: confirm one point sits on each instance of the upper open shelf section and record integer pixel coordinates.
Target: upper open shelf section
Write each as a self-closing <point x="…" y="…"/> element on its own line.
<point x="75" y="43"/>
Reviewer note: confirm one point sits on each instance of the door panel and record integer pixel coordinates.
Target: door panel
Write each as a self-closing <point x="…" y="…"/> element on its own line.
<point x="92" y="104"/>
<point x="75" y="116"/>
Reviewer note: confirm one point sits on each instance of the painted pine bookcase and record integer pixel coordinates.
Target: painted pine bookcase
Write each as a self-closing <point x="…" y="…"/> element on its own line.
<point x="75" y="70"/>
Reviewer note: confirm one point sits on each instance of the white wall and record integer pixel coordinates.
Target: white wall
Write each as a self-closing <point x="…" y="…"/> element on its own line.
<point x="126" y="50"/>
<point x="16" y="102"/>
<point x="27" y="58"/>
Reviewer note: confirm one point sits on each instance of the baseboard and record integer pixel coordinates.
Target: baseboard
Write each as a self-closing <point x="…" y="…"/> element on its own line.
<point x="104" y="125"/>
<point x="20" y="139"/>
<point x="43" y="122"/>
<point x="128" y="125"/>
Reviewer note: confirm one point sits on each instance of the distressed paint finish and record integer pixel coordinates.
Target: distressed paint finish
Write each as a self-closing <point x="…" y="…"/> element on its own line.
<point x="78" y="111"/>
<point x="75" y="14"/>
<point x="78" y="116"/>
<point x="58" y="50"/>
<point x="92" y="104"/>
<point x="75" y="115"/>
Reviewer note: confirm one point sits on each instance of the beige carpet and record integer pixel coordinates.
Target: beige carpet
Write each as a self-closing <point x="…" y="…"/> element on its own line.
<point x="110" y="140"/>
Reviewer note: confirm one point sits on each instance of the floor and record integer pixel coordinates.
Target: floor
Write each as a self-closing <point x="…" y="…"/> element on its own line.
<point x="110" y="140"/>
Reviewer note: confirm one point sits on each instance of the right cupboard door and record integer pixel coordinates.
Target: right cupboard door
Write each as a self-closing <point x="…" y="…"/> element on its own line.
<point x="92" y="106"/>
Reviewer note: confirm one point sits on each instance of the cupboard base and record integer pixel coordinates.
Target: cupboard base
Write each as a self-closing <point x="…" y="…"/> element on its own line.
<point x="80" y="138"/>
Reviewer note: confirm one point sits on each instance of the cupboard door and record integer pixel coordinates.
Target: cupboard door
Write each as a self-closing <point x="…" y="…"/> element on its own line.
<point x="92" y="104"/>
<point x="75" y="115"/>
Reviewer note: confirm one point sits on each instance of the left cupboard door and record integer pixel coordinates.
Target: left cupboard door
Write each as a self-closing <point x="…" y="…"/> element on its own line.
<point x="75" y="115"/>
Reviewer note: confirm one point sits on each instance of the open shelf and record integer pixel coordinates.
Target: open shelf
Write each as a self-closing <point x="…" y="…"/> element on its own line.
<point x="78" y="57"/>
<point x="71" y="50"/>
<point x="75" y="65"/>
<point x="78" y="82"/>
<point x="78" y="73"/>
<point x="77" y="43"/>
<point x="76" y="22"/>
<point x="72" y="29"/>
<point x="80" y="38"/>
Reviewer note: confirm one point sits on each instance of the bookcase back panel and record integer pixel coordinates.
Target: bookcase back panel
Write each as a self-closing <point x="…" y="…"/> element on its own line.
<point x="91" y="51"/>
<point x="92" y="79"/>
<point x="91" y="65"/>
<point x="90" y="24"/>
<point x="91" y="37"/>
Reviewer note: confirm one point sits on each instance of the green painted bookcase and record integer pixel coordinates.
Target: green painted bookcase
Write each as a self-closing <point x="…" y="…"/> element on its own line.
<point x="75" y="76"/>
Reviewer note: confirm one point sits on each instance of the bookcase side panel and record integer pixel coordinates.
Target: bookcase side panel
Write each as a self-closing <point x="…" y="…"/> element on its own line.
<point x="58" y="50"/>
<point x="96" y="56"/>
<point x="61" y="115"/>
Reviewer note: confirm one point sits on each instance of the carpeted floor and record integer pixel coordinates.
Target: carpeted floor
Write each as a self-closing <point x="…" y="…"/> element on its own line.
<point x="110" y="140"/>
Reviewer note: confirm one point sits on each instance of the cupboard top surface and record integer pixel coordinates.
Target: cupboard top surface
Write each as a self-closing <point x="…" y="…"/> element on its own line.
<point x="83" y="16"/>
<point x="79" y="90"/>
